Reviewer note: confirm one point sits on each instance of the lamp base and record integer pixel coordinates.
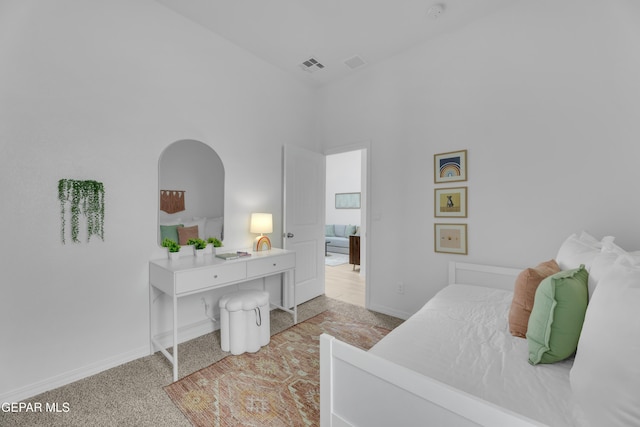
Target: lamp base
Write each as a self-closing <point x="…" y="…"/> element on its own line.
<point x="262" y="243"/>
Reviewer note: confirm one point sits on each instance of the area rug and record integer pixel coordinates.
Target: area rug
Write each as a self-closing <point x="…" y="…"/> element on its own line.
<point x="332" y="259"/>
<point x="277" y="386"/>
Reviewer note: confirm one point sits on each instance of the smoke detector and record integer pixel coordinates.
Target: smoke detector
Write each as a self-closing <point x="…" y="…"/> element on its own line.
<point x="311" y="65"/>
<point x="435" y="11"/>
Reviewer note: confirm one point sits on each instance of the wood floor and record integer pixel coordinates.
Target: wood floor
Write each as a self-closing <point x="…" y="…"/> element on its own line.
<point x="344" y="284"/>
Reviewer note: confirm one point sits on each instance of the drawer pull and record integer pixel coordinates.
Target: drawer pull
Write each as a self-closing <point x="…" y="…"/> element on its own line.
<point x="215" y="276"/>
<point x="274" y="264"/>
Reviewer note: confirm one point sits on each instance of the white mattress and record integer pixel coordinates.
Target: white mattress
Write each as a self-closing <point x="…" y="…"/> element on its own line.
<point x="461" y="337"/>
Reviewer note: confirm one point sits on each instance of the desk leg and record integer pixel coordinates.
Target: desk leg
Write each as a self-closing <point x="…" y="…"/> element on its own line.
<point x="292" y="280"/>
<point x="151" y="315"/>
<point x="175" y="338"/>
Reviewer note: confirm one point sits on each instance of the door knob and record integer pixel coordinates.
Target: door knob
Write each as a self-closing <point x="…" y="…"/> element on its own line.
<point x="289" y="235"/>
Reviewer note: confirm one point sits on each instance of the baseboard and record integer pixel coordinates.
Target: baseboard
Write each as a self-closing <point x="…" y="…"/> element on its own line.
<point x="389" y="311"/>
<point x="72" y="376"/>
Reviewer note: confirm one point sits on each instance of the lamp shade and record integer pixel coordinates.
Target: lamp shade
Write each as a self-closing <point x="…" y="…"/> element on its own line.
<point x="261" y="223"/>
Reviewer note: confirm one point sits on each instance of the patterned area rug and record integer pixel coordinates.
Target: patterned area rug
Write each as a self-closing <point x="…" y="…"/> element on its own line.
<point x="332" y="259"/>
<point x="277" y="386"/>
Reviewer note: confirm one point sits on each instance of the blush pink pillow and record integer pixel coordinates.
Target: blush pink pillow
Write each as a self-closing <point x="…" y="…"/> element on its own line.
<point x="186" y="233"/>
<point x="524" y="293"/>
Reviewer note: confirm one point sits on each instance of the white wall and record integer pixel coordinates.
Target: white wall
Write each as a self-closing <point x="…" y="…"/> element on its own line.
<point x="96" y="90"/>
<point x="545" y="96"/>
<point x="343" y="176"/>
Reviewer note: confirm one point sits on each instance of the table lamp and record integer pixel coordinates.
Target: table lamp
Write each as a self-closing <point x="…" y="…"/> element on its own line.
<point x="261" y="223"/>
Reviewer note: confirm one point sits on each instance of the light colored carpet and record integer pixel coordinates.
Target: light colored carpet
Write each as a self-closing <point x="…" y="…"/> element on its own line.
<point x="132" y="394"/>
<point x="277" y="386"/>
<point x="332" y="259"/>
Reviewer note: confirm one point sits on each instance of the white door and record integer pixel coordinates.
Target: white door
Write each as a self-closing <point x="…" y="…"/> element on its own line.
<point x="304" y="199"/>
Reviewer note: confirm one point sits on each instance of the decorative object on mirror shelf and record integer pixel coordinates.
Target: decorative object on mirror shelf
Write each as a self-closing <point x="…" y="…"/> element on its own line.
<point x="261" y="223"/>
<point x="173" y="248"/>
<point x="172" y="201"/>
<point x="449" y="167"/>
<point x="450" y="202"/>
<point x="450" y="238"/>
<point x="213" y="243"/>
<point x="86" y="198"/>
<point x="199" y="245"/>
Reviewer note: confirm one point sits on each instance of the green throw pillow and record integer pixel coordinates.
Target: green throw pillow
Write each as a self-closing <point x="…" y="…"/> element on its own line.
<point x="328" y="231"/>
<point x="558" y="312"/>
<point x="169" y="231"/>
<point x="351" y="229"/>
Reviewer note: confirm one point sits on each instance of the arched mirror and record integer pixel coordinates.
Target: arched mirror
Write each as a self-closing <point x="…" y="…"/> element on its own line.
<point x="191" y="188"/>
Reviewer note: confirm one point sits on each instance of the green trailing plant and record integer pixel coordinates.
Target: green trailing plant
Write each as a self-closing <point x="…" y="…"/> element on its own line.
<point x="85" y="198"/>
<point x="171" y="245"/>
<point x="216" y="242"/>
<point x="198" y="243"/>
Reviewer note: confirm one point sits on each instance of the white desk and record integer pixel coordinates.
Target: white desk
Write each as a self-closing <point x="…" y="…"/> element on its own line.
<point x="194" y="274"/>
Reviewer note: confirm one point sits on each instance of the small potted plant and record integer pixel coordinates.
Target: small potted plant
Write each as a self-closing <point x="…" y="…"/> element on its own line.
<point x="213" y="243"/>
<point x="173" y="248"/>
<point x="199" y="245"/>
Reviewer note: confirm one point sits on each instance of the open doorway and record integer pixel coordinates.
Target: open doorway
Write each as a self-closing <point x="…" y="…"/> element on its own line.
<point x="345" y="226"/>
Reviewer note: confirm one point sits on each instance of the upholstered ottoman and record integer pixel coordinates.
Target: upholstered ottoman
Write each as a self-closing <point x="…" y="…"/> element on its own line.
<point x="244" y="321"/>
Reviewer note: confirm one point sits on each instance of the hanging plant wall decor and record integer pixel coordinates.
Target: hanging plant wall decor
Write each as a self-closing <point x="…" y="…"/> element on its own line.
<point x="84" y="198"/>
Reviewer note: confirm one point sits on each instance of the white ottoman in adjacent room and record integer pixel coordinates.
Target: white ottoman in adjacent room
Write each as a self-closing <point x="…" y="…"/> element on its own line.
<point x="244" y="321"/>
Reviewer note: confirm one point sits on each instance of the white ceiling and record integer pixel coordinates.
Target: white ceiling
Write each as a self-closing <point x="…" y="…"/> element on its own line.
<point x="288" y="32"/>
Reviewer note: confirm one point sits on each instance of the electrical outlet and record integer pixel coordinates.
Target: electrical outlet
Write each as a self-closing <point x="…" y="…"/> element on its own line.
<point x="400" y="288"/>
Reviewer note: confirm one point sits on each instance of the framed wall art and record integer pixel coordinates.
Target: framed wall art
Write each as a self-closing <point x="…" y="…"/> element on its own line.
<point x="450" y="238"/>
<point x="450" y="202"/>
<point x="450" y="167"/>
<point x="347" y="200"/>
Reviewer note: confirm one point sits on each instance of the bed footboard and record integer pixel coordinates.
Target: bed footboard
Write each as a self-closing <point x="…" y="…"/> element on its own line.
<point x="358" y="388"/>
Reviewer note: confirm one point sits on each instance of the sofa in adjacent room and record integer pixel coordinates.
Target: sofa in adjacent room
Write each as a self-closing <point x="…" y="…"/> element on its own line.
<point x="337" y="237"/>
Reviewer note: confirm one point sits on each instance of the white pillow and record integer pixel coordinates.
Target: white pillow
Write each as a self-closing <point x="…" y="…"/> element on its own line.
<point x="576" y="250"/>
<point x="170" y="221"/>
<point x="600" y="265"/>
<point x="213" y="228"/>
<point x="605" y="376"/>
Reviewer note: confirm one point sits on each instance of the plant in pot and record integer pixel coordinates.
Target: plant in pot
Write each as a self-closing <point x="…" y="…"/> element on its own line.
<point x="199" y="245"/>
<point x="173" y="247"/>
<point x="213" y="243"/>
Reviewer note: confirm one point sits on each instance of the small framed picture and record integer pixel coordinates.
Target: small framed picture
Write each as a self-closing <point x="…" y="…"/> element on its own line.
<point x="451" y="238"/>
<point x="450" y="202"/>
<point x="347" y="200"/>
<point x="450" y="167"/>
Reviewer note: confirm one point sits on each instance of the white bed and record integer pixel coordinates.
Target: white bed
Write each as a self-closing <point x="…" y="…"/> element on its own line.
<point x="465" y="368"/>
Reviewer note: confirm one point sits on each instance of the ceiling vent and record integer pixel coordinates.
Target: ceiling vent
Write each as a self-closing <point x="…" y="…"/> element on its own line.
<point x="311" y="65"/>
<point x="354" y="62"/>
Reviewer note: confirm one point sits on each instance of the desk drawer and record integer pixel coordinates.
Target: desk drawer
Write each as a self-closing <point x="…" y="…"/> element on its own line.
<point x="193" y="280"/>
<point x="263" y="267"/>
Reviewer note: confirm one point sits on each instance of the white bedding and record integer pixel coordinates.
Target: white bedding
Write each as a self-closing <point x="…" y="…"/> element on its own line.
<point x="461" y="337"/>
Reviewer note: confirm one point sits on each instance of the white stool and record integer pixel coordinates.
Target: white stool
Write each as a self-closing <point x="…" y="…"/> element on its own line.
<point x="244" y="321"/>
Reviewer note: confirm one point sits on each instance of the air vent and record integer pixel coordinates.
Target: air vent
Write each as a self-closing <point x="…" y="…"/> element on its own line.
<point x="354" y="62"/>
<point x="311" y="65"/>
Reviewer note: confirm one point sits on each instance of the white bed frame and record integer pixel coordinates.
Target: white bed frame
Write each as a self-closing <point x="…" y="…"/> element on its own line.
<point x="358" y="388"/>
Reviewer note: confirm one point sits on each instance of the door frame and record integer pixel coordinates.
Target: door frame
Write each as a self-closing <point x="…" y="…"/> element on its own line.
<point x="366" y="196"/>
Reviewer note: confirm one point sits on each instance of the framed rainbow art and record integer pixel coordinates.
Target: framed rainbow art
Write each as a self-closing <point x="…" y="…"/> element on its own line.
<point x="450" y="167"/>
